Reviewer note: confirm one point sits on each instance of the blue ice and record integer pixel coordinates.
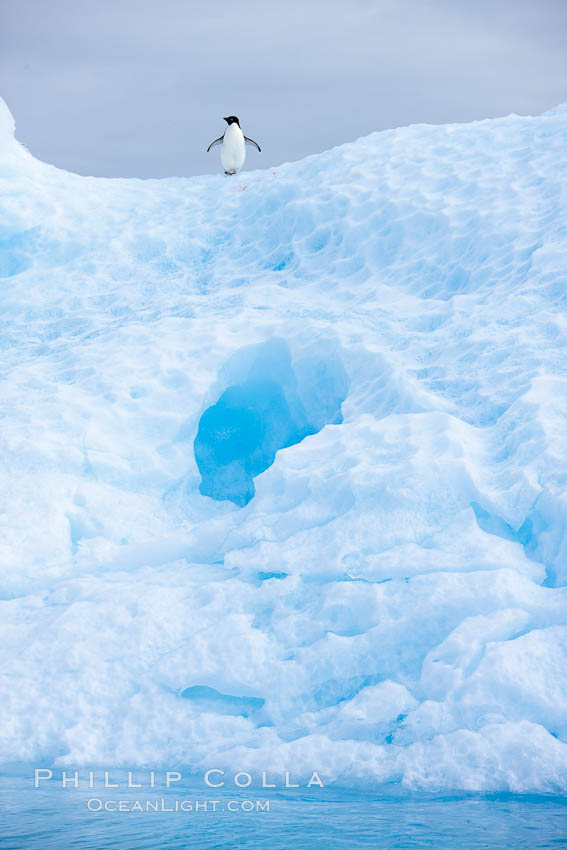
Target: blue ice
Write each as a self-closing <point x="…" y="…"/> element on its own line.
<point x="239" y="436"/>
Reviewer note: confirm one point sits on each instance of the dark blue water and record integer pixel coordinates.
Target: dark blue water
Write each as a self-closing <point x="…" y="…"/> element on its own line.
<point x="54" y="817"/>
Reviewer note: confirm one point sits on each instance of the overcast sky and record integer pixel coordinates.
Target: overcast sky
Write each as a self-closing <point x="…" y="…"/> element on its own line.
<point x="139" y="87"/>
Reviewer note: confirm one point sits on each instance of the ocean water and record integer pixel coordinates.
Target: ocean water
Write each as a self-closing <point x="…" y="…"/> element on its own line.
<point x="283" y="472"/>
<point x="51" y="817"/>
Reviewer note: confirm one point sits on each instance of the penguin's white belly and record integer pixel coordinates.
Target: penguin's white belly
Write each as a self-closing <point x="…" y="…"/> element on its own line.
<point x="233" y="149"/>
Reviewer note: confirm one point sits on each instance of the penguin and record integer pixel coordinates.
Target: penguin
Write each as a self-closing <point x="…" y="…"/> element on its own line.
<point x="233" y="146"/>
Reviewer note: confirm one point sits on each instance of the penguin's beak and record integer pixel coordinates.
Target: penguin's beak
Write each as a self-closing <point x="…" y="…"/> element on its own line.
<point x="225" y="119"/>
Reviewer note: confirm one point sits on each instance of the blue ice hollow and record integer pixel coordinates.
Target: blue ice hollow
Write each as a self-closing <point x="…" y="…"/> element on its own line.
<point x="209" y="699"/>
<point x="239" y="436"/>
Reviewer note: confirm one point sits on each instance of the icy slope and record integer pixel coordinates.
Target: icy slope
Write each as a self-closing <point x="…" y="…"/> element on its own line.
<point x="366" y="351"/>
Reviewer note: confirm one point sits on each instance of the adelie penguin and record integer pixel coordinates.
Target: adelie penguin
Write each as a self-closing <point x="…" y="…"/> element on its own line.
<point x="233" y="146"/>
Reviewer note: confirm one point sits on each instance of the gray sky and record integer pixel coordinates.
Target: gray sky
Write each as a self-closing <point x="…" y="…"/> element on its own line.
<point x="138" y="87"/>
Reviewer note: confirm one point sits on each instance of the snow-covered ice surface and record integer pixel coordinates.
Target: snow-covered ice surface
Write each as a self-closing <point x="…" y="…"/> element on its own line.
<point x="377" y="337"/>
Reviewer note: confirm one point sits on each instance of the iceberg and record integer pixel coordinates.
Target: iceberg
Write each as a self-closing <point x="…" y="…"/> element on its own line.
<point x="284" y="463"/>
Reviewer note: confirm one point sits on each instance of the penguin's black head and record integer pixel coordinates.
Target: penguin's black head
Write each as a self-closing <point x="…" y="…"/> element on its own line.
<point x="231" y="119"/>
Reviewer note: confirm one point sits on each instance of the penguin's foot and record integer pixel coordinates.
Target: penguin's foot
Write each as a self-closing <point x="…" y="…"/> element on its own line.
<point x="230" y="172"/>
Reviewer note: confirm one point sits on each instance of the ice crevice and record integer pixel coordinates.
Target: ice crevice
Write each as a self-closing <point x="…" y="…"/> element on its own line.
<point x="276" y="405"/>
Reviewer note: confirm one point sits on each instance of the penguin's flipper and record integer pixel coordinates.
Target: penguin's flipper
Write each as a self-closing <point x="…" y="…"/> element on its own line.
<point x="253" y="143"/>
<point x="216" y="142"/>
